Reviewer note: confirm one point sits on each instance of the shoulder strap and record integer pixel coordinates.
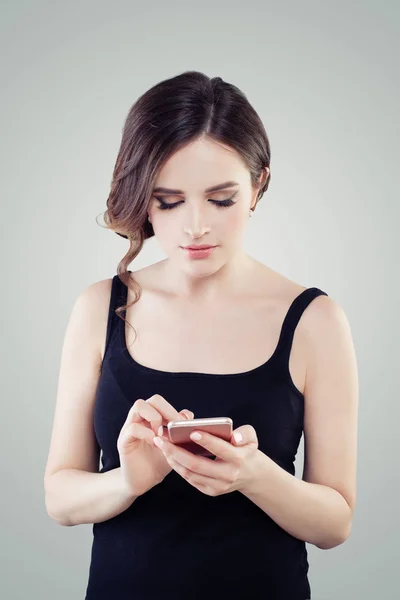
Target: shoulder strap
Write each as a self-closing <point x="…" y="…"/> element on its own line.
<point x="118" y="297"/>
<point x="290" y="322"/>
<point x="121" y="294"/>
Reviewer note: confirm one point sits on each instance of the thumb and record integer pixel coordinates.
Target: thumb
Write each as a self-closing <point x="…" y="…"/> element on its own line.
<point x="246" y="434"/>
<point x="187" y="414"/>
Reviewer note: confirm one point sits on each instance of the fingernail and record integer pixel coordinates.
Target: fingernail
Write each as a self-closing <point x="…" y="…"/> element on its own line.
<point x="158" y="442"/>
<point x="160" y="431"/>
<point x="238" y="437"/>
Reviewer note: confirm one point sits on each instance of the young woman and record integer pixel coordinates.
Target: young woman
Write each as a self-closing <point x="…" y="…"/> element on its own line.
<point x="212" y="333"/>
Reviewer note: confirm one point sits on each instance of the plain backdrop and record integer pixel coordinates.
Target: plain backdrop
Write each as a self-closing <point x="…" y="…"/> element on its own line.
<point x="324" y="78"/>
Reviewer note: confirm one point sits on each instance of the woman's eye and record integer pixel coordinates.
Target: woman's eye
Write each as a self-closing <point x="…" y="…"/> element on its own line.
<point x="227" y="202"/>
<point x="166" y="206"/>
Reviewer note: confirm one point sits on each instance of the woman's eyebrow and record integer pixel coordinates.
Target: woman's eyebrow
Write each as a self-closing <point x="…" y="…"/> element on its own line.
<point x="214" y="188"/>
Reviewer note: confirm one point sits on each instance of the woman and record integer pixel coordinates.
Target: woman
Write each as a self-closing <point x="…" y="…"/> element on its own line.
<point x="217" y="334"/>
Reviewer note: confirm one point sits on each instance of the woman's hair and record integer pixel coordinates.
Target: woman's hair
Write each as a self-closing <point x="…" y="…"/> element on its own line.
<point x="168" y="116"/>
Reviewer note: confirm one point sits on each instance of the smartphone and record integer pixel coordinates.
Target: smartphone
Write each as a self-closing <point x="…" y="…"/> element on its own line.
<point x="179" y="432"/>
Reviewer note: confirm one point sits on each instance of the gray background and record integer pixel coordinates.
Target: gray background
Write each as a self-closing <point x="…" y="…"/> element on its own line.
<point x="322" y="76"/>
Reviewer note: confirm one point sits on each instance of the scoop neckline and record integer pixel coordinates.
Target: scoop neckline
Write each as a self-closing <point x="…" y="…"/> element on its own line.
<point x="200" y="374"/>
<point x="193" y="374"/>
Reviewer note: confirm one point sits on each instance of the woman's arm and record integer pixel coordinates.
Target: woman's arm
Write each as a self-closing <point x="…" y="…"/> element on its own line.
<point x="74" y="497"/>
<point x="319" y="508"/>
<point x="75" y="492"/>
<point x="311" y="512"/>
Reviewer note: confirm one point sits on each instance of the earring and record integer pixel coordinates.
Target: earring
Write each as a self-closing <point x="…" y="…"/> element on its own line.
<point x="251" y="212"/>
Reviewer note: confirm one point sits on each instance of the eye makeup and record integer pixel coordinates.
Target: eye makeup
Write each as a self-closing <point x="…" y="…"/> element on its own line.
<point x="219" y="203"/>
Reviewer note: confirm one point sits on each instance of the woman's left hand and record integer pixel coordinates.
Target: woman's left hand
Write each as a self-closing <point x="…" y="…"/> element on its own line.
<point x="232" y="469"/>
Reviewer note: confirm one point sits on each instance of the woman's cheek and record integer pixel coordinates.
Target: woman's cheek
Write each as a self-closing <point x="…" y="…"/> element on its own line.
<point x="235" y="222"/>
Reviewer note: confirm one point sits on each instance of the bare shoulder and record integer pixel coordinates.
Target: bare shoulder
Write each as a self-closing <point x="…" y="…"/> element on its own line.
<point x="324" y="319"/>
<point x="323" y="322"/>
<point x="93" y="302"/>
<point x="97" y="295"/>
<point x="98" y="290"/>
<point x="321" y="314"/>
<point x="329" y="342"/>
<point x="324" y="328"/>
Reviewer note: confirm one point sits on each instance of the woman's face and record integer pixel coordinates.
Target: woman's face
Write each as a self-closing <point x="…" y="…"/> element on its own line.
<point x="188" y="214"/>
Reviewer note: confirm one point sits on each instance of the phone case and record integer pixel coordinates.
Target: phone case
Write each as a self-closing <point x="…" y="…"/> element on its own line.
<point x="179" y="432"/>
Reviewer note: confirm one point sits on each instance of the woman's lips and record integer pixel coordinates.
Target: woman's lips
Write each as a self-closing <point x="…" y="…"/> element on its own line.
<point x="199" y="253"/>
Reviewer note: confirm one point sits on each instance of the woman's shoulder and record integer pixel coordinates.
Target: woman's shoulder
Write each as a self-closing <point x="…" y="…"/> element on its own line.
<point x="97" y="297"/>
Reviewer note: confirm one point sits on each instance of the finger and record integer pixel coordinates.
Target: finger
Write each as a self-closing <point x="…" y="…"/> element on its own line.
<point x="201" y="482"/>
<point x="132" y="434"/>
<point x="246" y="434"/>
<point x="200" y="465"/>
<point x="167" y="411"/>
<point x="185" y="413"/>
<point x="144" y="413"/>
<point x="220" y="448"/>
<point x="155" y="410"/>
<point x="188" y="413"/>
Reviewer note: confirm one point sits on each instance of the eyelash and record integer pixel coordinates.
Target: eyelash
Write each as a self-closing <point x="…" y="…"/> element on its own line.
<point x="219" y="203"/>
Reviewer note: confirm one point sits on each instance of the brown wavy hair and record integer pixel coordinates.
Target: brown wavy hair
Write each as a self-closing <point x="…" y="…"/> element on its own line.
<point x="165" y="118"/>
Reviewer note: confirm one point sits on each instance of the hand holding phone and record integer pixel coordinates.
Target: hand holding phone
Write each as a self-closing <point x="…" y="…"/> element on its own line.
<point x="179" y="432"/>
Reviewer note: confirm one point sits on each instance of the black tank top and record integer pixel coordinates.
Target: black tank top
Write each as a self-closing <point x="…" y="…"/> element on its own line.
<point x="174" y="542"/>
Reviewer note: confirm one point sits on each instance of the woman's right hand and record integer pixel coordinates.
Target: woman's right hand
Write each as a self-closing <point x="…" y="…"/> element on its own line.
<point x="143" y="465"/>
